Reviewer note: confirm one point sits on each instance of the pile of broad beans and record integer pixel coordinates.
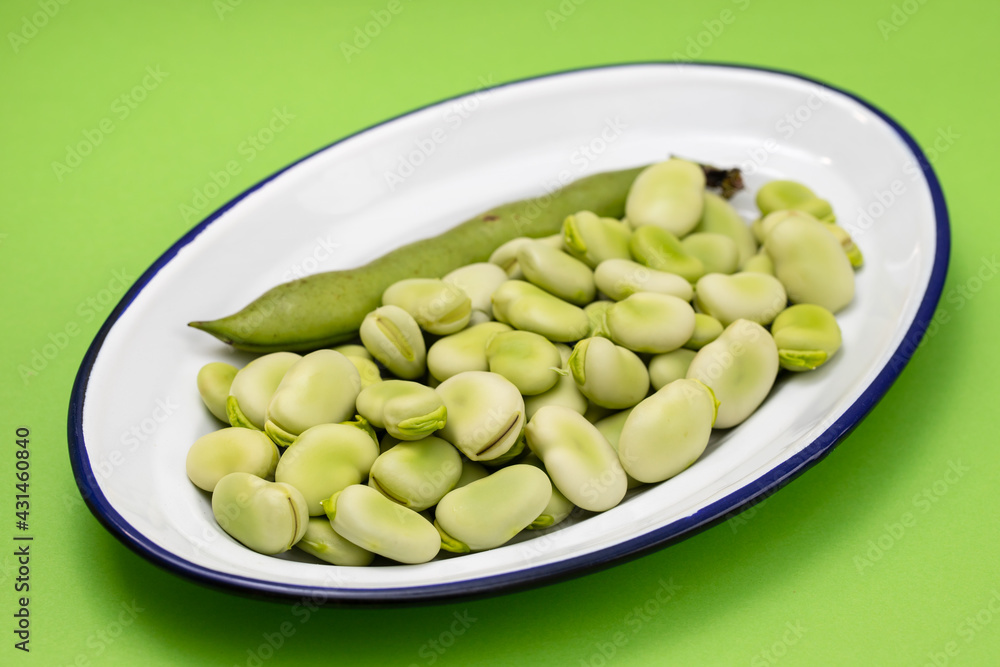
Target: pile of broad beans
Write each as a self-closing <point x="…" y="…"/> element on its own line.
<point x="507" y="394"/>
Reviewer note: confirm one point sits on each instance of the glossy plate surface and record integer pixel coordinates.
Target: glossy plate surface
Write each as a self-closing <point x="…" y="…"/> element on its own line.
<point x="135" y="411"/>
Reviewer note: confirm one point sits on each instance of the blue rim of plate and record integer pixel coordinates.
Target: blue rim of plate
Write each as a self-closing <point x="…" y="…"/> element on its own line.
<point x="676" y="531"/>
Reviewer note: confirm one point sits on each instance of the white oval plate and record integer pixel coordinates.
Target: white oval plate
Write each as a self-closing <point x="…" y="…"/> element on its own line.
<point x="135" y="411"/>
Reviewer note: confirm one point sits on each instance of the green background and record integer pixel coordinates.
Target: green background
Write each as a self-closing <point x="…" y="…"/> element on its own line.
<point x="788" y="582"/>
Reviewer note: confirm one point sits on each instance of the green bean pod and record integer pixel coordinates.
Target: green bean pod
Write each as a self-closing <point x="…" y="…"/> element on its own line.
<point x="327" y="308"/>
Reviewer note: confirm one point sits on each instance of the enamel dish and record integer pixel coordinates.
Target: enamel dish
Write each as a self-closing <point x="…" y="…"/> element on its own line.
<point x="135" y="409"/>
